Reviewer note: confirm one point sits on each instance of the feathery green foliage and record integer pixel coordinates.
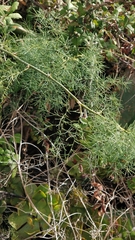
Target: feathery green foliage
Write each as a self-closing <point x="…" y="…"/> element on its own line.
<point x="81" y="73"/>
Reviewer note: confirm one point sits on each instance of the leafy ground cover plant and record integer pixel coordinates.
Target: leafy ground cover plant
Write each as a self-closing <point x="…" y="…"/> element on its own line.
<point x="107" y="19"/>
<point x="7" y="16"/>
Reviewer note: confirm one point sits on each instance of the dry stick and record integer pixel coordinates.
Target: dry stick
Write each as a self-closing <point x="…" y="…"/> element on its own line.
<point x="24" y="187"/>
<point x="60" y="84"/>
<point x="115" y="222"/>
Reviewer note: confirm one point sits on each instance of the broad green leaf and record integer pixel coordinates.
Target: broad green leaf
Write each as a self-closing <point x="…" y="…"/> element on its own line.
<point x="15" y="186"/>
<point x="42" y="194"/>
<point x="43" y="207"/>
<point x="24" y="206"/>
<point x="26" y="231"/>
<point x="55" y="198"/>
<point x="3" y="206"/>
<point x="2" y="141"/>
<point x="15" y="15"/>
<point x="43" y="224"/>
<point x="30" y="221"/>
<point x="30" y="189"/>
<point x="17" y="137"/>
<point x="38" y="195"/>
<point x="44" y="188"/>
<point x="117" y="238"/>
<point x="14" y="171"/>
<point x="18" y="28"/>
<point x="4" y="8"/>
<point x="1" y="151"/>
<point x="13" y="7"/>
<point x="17" y="221"/>
<point x="57" y="207"/>
<point x="9" y="20"/>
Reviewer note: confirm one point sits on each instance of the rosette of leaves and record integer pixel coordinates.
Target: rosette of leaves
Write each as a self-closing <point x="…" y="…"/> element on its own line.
<point x="7" y="16"/>
<point x="27" y="221"/>
<point x="8" y="156"/>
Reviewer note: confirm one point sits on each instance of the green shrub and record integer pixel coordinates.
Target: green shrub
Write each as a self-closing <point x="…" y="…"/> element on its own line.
<point x="80" y="73"/>
<point x="107" y="147"/>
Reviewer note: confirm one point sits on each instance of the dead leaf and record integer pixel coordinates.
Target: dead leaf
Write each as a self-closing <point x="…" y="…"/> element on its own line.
<point x="98" y="186"/>
<point x="98" y="195"/>
<point x="47" y="145"/>
<point x="101" y="211"/>
<point x="72" y="103"/>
